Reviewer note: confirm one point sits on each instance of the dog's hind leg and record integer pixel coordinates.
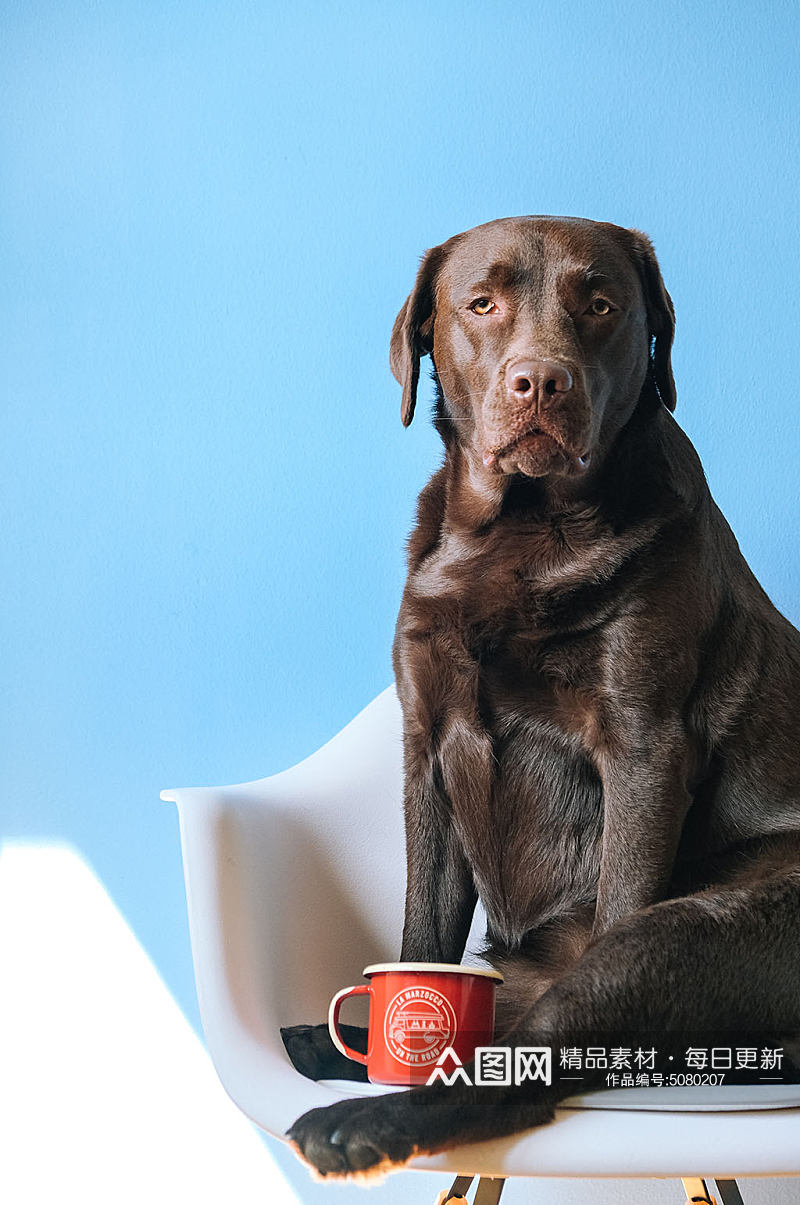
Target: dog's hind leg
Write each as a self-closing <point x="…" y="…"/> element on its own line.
<point x="313" y="1053"/>
<point x="528" y="972"/>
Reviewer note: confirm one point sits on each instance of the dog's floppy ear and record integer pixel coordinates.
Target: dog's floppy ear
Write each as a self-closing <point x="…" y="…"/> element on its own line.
<point x="660" y="317"/>
<point x="412" y="335"/>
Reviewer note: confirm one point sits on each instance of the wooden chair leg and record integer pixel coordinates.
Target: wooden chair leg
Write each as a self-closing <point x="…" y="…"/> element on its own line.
<point x="456" y="1191"/>
<point x="696" y="1191"/>
<point x="729" y="1192"/>
<point x="489" y="1190"/>
<point x="487" y="1193"/>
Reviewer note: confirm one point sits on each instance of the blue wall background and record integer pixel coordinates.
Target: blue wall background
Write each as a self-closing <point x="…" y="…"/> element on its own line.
<point x="210" y="216"/>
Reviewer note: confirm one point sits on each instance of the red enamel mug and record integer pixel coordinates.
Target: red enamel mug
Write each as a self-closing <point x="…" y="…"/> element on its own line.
<point x="416" y="1011"/>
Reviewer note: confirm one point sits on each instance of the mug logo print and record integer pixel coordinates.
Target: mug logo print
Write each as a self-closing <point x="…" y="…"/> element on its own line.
<point x="419" y="1024"/>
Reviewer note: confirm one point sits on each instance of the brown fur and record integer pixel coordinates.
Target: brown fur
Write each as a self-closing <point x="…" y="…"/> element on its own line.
<point x="599" y="699"/>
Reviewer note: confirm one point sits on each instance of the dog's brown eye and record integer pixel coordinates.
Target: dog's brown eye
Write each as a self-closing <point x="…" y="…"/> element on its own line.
<point x="601" y="307"/>
<point x="484" y="305"/>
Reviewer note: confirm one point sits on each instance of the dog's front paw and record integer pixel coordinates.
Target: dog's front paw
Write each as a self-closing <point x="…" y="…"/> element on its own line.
<point x="356" y="1138"/>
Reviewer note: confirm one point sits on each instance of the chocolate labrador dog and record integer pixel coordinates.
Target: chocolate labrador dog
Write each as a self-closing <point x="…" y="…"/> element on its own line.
<point x="599" y="699"/>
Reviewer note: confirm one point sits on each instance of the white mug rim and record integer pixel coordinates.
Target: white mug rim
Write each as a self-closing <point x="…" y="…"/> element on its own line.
<point x="438" y="968"/>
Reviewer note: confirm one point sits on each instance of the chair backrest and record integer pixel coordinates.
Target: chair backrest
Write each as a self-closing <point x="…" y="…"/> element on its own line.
<point x="336" y="852"/>
<point x="297" y="881"/>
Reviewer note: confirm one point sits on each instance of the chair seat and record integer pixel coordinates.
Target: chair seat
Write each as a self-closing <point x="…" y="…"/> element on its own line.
<point x="295" y="883"/>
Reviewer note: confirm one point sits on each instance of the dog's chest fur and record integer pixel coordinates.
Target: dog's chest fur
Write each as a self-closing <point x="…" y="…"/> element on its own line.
<point x="518" y="599"/>
<point x="529" y="596"/>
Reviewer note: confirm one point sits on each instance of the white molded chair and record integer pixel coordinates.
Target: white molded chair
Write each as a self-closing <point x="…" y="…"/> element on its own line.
<point x="295" y="883"/>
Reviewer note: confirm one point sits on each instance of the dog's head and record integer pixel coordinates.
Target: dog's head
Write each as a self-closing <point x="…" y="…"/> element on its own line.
<point x="544" y="334"/>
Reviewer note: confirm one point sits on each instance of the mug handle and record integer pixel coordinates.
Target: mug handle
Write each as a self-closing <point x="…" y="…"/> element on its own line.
<point x="362" y="989"/>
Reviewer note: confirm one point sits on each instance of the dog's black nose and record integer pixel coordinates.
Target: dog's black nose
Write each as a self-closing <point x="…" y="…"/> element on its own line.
<point x="525" y="379"/>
